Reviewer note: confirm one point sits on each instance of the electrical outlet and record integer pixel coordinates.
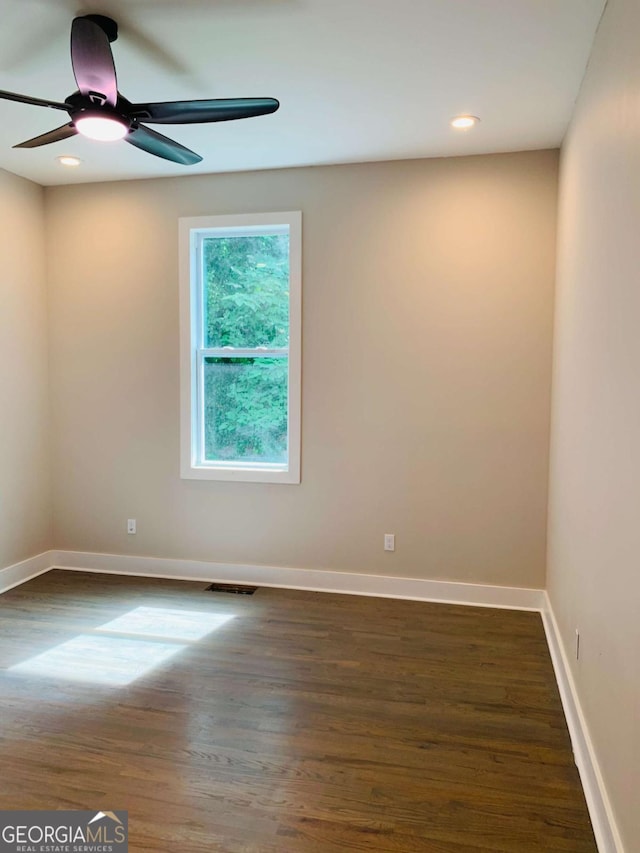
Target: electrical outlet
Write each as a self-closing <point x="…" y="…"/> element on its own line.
<point x="131" y="525"/>
<point x="389" y="541"/>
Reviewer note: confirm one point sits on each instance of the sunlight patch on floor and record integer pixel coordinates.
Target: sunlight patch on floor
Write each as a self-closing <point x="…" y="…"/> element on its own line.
<point x="124" y="649"/>
<point x="185" y="626"/>
<point x="101" y="660"/>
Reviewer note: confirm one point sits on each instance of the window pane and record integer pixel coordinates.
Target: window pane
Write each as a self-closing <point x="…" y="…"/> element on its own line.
<point x="245" y="409"/>
<point x="246" y="291"/>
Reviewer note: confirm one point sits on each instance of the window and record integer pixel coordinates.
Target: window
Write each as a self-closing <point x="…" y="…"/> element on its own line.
<point x="240" y="300"/>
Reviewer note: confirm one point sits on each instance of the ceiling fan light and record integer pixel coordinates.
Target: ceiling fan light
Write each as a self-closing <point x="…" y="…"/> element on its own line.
<point x="101" y="128"/>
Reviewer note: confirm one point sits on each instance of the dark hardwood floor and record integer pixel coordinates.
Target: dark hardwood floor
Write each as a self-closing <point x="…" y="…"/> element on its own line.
<point x="306" y="723"/>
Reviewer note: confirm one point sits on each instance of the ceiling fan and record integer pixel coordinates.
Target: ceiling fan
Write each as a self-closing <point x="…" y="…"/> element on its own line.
<point x="98" y="110"/>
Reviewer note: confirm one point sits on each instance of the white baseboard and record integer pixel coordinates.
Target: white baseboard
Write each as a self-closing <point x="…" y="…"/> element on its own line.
<point x="602" y="818"/>
<point x="417" y="589"/>
<point x="22" y="572"/>
<point x="316" y="580"/>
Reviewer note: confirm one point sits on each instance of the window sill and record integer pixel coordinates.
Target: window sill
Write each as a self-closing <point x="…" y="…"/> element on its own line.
<point x="241" y="474"/>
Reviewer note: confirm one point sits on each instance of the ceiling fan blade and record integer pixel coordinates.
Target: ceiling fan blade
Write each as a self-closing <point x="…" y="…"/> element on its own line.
<point x="200" y="112"/>
<point x="37" y="102"/>
<point x="155" y="143"/>
<point x="56" y="135"/>
<point x="92" y="60"/>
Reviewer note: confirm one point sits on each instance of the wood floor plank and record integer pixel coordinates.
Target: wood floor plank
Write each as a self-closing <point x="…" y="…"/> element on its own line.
<point x="306" y="723"/>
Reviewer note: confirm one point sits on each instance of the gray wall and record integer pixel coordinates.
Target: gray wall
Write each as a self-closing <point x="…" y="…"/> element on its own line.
<point x="428" y="297"/>
<point x="594" y="517"/>
<point x="25" y="493"/>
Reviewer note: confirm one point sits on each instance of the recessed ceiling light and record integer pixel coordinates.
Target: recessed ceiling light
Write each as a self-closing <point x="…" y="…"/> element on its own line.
<point x="66" y="160"/>
<point x="464" y="122"/>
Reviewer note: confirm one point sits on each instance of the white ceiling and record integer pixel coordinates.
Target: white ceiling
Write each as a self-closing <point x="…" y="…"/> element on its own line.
<point x="358" y="80"/>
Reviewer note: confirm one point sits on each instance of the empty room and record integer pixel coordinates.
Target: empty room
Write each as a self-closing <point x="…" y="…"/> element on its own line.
<point x="319" y="453"/>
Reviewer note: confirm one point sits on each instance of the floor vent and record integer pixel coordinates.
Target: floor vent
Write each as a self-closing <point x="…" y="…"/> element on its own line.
<point x="234" y="588"/>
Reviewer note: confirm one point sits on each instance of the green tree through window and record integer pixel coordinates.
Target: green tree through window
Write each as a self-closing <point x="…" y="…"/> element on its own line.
<point x="246" y="307"/>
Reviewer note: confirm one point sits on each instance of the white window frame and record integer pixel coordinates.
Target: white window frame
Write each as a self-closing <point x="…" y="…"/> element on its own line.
<point x="191" y="231"/>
